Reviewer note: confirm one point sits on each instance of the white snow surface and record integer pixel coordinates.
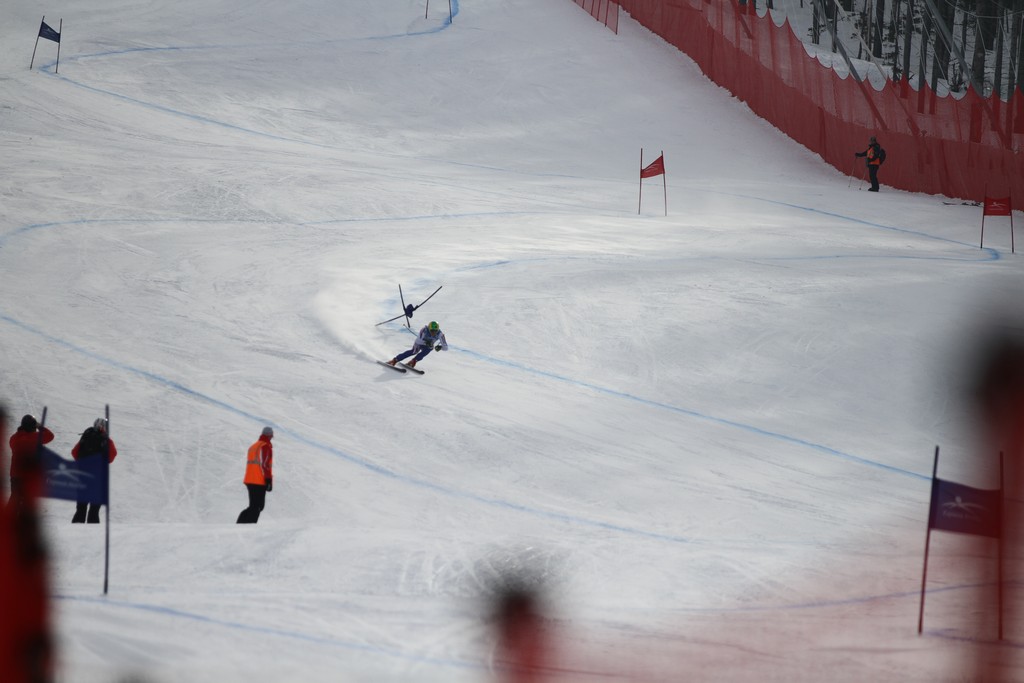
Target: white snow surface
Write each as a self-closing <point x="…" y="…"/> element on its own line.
<point x="707" y="437"/>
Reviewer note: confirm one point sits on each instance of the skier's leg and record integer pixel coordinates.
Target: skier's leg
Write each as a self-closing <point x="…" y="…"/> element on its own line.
<point x="94" y="514"/>
<point x="405" y="354"/>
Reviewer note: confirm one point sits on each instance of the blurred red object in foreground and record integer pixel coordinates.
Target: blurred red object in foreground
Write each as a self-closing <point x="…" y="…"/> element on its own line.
<point x="26" y="645"/>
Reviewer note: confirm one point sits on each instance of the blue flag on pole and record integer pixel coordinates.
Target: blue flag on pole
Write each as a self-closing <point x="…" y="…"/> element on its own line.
<point x="46" y="32"/>
<point x="82" y="480"/>
<point x="965" y="510"/>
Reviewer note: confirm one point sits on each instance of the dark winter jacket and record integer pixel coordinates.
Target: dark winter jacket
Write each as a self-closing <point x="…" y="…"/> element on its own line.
<point x="873" y="154"/>
<point x="93" y="442"/>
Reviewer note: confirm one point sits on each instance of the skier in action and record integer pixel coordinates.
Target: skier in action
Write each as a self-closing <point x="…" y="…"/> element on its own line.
<point x="431" y="338"/>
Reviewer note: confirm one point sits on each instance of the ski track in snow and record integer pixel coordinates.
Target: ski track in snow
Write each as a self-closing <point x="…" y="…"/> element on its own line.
<point x="537" y="372"/>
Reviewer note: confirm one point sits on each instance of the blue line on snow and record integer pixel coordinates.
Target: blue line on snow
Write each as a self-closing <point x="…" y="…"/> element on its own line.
<point x="320" y="640"/>
<point x="696" y="414"/>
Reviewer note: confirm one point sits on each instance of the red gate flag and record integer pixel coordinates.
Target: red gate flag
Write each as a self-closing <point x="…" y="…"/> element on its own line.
<point x="997" y="206"/>
<point x="46" y="32"/>
<point x="655" y="168"/>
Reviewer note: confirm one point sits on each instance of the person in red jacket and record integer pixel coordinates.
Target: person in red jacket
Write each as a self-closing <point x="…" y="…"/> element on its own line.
<point x="259" y="476"/>
<point x="94" y="442"/>
<point x="27" y="651"/>
<point x="24" y="447"/>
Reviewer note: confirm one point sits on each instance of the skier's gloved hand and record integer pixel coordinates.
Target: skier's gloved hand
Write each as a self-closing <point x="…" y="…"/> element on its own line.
<point x="270" y="484"/>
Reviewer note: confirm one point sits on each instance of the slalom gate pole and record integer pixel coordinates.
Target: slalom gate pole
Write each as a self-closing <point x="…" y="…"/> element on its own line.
<point x="664" y="182"/>
<point x="36" y="46"/>
<point x="1002" y="493"/>
<point x="640" y="198"/>
<point x="927" y="543"/>
<point x="981" y="244"/>
<point x="106" y="495"/>
<point x="60" y="32"/>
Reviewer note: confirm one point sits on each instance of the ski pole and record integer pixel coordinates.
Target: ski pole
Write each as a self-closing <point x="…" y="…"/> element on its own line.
<point x="852" y="169"/>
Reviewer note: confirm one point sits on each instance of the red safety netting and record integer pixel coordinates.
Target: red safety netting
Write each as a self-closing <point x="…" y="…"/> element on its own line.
<point x="605" y="11"/>
<point x="939" y="145"/>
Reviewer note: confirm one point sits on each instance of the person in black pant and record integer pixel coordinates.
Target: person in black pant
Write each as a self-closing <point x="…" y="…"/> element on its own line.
<point x="93" y="443"/>
<point x="874" y="156"/>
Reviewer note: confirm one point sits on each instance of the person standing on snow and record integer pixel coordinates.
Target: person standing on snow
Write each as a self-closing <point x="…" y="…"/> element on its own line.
<point x="259" y="476"/>
<point x="94" y="443"/>
<point x="431" y="338"/>
<point x="874" y="156"/>
<point x="24" y="450"/>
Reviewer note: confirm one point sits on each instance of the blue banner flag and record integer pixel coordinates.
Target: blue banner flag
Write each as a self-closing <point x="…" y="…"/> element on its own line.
<point x="82" y="480"/>
<point x="965" y="510"/>
<point x="46" y="32"/>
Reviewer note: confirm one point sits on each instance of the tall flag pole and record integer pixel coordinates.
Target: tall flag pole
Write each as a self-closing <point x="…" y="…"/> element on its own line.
<point x="426" y="11"/>
<point x="86" y="480"/>
<point x="640" y="199"/>
<point x="48" y="33"/>
<point x="60" y="28"/>
<point x="106" y="496"/>
<point x="927" y="543"/>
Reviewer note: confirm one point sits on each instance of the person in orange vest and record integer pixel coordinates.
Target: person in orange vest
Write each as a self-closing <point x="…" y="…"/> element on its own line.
<point x="874" y="155"/>
<point x="259" y="476"/>
<point x="24" y="446"/>
<point x="94" y="442"/>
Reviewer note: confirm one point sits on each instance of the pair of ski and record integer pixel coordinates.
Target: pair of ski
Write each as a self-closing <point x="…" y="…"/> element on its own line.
<point x="403" y="367"/>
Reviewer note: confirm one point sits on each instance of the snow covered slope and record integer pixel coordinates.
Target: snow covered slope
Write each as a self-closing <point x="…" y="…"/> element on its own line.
<point x="708" y="434"/>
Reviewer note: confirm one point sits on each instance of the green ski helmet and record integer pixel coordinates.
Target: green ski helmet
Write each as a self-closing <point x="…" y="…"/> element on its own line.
<point x="433" y="326"/>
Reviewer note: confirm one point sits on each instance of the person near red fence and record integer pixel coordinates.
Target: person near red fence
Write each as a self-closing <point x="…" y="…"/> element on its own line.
<point x="27" y="645"/>
<point x="259" y="476"/>
<point x="93" y="443"/>
<point x="24" y="445"/>
<point x="874" y="155"/>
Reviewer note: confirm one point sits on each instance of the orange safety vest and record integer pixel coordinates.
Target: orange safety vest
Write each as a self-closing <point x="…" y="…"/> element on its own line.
<point x="259" y="462"/>
<point x="873" y="158"/>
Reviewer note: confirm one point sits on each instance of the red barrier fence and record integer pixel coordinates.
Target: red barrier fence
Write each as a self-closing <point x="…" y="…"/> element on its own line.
<point x="605" y="11"/>
<point x="966" y="148"/>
